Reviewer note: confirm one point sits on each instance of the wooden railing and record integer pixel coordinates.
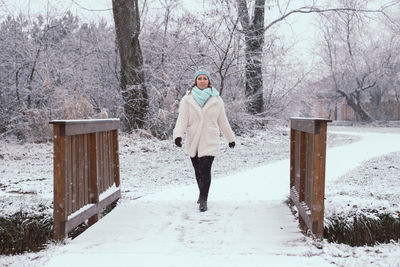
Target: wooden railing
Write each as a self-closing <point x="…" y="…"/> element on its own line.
<point x="307" y="170"/>
<point x="86" y="171"/>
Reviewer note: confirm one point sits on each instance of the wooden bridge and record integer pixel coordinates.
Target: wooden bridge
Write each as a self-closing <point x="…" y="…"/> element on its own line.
<point x="86" y="165"/>
<point x="247" y="214"/>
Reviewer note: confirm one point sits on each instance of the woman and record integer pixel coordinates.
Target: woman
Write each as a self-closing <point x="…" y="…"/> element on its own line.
<point x="201" y="117"/>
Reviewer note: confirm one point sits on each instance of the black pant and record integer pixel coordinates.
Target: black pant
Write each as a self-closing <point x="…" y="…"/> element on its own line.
<point x="202" y="170"/>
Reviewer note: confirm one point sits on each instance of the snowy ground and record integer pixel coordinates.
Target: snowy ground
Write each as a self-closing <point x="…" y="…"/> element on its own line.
<point x="150" y="166"/>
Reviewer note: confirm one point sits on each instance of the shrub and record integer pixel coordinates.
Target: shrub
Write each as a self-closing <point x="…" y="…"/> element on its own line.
<point x="22" y="232"/>
<point x="362" y="229"/>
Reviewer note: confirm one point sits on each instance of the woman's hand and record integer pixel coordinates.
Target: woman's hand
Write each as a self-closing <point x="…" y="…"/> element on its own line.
<point x="231" y="144"/>
<point x="178" y="141"/>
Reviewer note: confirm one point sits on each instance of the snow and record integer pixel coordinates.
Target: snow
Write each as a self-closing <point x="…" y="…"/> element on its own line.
<point x="81" y="210"/>
<point x="84" y="121"/>
<point x="248" y="223"/>
<point x="245" y="217"/>
<point x="111" y="190"/>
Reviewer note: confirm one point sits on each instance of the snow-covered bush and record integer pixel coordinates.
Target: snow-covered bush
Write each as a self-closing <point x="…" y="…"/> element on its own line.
<point x="363" y="228"/>
<point x="22" y="232"/>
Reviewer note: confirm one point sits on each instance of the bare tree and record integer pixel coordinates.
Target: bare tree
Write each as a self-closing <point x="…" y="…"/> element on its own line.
<point x="348" y="56"/>
<point x="169" y="6"/>
<point x="132" y="82"/>
<point x="54" y="67"/>
<point x="222" y="41"/>
<point x="392" y="66"/>
<point x="254" y="28"/>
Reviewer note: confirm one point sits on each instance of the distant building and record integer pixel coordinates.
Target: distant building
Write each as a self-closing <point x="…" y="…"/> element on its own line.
<point x="323" y="102"/>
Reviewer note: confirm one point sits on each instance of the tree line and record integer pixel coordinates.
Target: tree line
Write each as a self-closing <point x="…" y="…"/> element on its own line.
<point x="138" y="68"/>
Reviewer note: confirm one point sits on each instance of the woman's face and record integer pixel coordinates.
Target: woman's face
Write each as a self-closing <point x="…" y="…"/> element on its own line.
<point x="202" y="81"/>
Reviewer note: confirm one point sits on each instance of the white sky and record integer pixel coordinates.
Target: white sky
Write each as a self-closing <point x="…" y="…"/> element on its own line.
<point x="299" y="30"/>
<point x="58" y="7"/>
<point x="94" y="10"/>
<point x="88" y="10"/>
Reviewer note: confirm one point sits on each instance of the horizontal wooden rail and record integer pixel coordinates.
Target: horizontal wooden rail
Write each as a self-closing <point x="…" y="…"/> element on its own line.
<point x="86" y="171"/>
<point x="307" y="170"/>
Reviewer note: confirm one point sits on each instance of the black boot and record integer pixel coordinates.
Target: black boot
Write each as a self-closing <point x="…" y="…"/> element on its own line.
<point x="203" y="203"/>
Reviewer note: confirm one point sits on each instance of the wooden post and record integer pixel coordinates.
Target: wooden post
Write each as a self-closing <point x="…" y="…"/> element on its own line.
<point x="292" y="157"/>
<point x="318" y="187"/>
<point x="60" y="216"/>
<point x="116" y="157"/>
<point x="93" y="184"/>
<point x="302" y="170"/>
<point x="307" y="170"/>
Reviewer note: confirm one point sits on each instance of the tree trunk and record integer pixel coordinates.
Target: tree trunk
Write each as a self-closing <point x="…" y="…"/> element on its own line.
<point x="364" y="116"/>
<point x="376" y="96"/>
<point x="254" y="37"/>
<point x="134" y="93"/>
<point x="353" y="100"/>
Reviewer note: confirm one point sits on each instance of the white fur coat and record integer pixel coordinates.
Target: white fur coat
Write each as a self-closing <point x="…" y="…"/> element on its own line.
<point x="202" y="126"/>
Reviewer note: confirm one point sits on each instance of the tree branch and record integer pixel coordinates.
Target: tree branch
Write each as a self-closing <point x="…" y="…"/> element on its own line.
<point x="243" y="14"/>
<point x="308" y="10"/>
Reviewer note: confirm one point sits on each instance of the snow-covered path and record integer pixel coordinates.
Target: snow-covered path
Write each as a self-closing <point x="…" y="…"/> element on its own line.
<point x="247" y="224"/>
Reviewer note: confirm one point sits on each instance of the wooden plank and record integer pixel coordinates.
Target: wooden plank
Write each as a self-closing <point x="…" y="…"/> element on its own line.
<point x="309" y="168"/>
<point x="91" y="211"/>
<point x="292" y="156"/>
<point x="110" y="199"/>
<point x="99" y="166"/>
<point x="81" y="169"/>
<point x="307" y="125"/>
<point x="80" y="218"/>
<point x="75" y="127"/>
<point x="73" y="163"/>
<point x="110" y="157"/>
<point x="77" y="165"/>
<point x="297" y="160"/>
<point x="106" y="162"/>
<point x="306" y="119"/>
<point x="86" y="167"/>
<point x="116" y="157"/>
<point x="101" y="163"/>
<point x="105" y="171"/>
<point x="94" y="193"/>
<point x="318" y="194"/>
<point x="68" y="178"/>
<point x="303" y="212"/>
<point x="59" y="163"/>
<point x="110" y="177"/>
<point x="105" y="181"/>
<point x="302" y="171"/>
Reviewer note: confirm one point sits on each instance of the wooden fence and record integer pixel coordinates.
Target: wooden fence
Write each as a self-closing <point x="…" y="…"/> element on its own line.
<point x="86" y="171"/>
<point x="388" y="111"/>
<point x="307" y="170"/>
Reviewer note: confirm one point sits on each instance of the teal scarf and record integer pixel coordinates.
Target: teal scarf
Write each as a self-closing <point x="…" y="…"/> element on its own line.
<point x="201" y="96"/>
